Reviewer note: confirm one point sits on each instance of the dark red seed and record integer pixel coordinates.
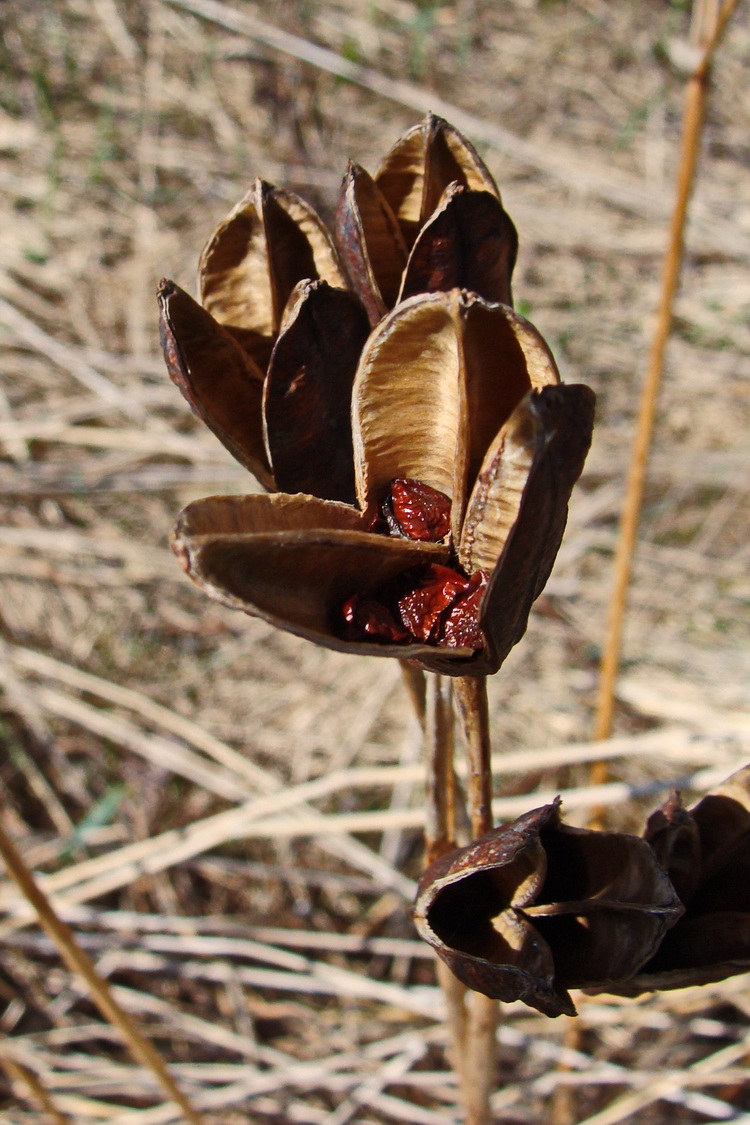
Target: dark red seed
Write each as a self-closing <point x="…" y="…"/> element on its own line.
<point x="368" y="619"/>
<point x="417" y="511"/>
<point x="460" y="626"/>
<point x="432" y="604"/>
<point x="422" y="609"/>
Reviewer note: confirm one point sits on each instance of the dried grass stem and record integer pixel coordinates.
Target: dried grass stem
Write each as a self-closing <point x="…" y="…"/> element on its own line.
<point x="79" y="962"/>
<point x="693" y="116"/>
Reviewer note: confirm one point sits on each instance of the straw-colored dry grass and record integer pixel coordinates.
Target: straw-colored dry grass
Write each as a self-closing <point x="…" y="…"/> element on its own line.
<point x="228" y="817"/>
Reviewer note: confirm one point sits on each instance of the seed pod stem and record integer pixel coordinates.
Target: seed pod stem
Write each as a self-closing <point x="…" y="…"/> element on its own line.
<point x="471" y="697"/>
<point x="482" y="1014"/>
<point x="456" y="1016"/>
<point x="440" y="838"/>
<point x="440" y="826"/>
<point x="414" y="680"/>
<point x="480" y="1067"/>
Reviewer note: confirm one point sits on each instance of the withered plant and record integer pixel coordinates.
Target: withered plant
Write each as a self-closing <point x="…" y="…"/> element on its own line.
<point x="419" y="451"/>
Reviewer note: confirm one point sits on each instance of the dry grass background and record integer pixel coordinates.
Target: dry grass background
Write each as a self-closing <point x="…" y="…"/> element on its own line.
<point x="229" y="817"/>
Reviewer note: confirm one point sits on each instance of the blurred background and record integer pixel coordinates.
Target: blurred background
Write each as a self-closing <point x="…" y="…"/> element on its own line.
<point x="268" y="947"/>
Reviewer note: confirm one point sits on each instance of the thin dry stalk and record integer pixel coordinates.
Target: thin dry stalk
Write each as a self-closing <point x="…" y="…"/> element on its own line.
<point x="79" y="962"/>
<point x="471" y="697"/>
<point x="695" y="102"/>
<point x="440" y="837"/>
<point x="33" y="1089"/>
<point x="455" y="996"/>
<point x="710" y="29"/>
<point x="482" y="1013"/>
<point x="563" y="1101"/>
<point x="440" y="783"/>
<point x="416" y="688"/>
<point x="481" y="1056"/>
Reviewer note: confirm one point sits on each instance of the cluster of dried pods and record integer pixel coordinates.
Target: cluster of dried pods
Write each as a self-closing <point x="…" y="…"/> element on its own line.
<point x="419" y="450"/>
<point x="411" y="428"/>
<point x="537" y="907"/>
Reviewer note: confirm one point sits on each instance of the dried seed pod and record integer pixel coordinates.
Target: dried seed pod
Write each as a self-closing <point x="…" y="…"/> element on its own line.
<point x="441" y="440"/>
<point x="370" y="242"/>
<point x="308" y="390"/>
<point x="435" y="379"/>
<point x="255" y="257"/>
<point x="469" y="242"/>
<point x="536" y="907"/>
<point x="518" y="510"/>
<point x="421" y="165"/>
<point x="706" y="852"/>
<point x="294" y="561"/>
<point x="438" y="378"/>
<point x="223" y="385"/>
<point x="673" y="834"/>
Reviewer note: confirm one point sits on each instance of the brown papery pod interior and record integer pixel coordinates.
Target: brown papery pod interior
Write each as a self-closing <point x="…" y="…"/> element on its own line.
<point x="469" y="242"/>
<point x="421" y="165"/>
<point x="557" y="421"/>
<point x="370" y="242"/>
<point x="469" y="909"/>
<point x="261" y="514"/>
<point x="294" y="561"/>
<point x="505" y="358"/>
<point x="535" y="907"/>
<point x="220" y="381"/>
<point x="407" y="410"/>
<point x="605" y="905"/>
<point x="308" y="390"/>
<point x="255" y="257"/>
<point x="437" y="380"/>
<point x="494" y="505"/>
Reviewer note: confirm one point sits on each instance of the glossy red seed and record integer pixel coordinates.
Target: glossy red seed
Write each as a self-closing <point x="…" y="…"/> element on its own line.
<point x="368" y="619"/>
<point x="460" y="626"/>
<point x="417" y="511"/>
<point x="422" y="608"/>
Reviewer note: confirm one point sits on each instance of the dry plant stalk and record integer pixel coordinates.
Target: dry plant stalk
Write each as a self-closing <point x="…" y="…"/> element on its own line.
<point x="710" y="25"/>
<point x="31" y="1085"/>
<point x="78" y="961"/>
<point x="481" y="1011"/>
<point x="440" y="839"/>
